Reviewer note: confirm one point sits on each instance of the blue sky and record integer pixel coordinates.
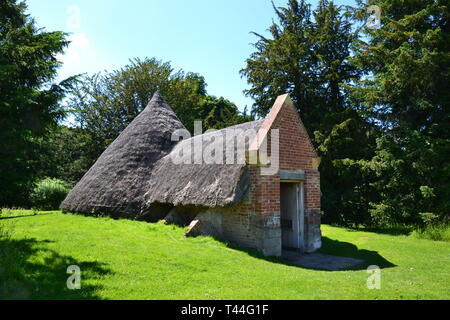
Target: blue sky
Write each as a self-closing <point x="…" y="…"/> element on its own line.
<point x="210" y="37"/>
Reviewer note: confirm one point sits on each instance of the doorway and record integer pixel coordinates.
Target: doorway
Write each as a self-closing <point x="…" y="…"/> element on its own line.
<point x="292" y="216"/>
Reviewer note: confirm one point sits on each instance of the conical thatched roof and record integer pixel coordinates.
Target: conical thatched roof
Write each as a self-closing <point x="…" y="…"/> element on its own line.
<point x="116" y="183"/>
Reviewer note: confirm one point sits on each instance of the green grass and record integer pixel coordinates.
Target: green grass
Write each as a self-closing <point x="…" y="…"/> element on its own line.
<point x="121" y="259"/>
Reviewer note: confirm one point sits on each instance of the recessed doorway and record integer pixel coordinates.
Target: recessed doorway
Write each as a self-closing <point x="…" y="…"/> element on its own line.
<point x="292" y="216"/>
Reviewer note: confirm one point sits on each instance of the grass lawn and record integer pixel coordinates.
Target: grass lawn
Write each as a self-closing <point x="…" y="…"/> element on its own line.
<point x="121" y="259"/>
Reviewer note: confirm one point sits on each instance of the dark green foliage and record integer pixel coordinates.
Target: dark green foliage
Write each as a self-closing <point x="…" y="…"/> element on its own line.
<point x="406" y="89"/>
<point x="377" y="103"/>
<point x="66" y="153"/>
<point x="437" y="232"/>
<point x="219" y="113"/>
<point x="28" y="97"/>
<point x="308" y="56"/>
<point x="48" y="194"/>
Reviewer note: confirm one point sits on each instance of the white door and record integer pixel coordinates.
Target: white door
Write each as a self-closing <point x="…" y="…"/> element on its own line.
<point x="292" y="215"/>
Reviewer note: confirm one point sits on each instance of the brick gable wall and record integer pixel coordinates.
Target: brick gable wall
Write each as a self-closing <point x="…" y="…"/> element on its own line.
<point x="256" y="223"/>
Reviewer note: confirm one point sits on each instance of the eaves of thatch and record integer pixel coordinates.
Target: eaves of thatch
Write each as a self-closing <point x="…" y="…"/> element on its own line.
<point x="203" y="184"/>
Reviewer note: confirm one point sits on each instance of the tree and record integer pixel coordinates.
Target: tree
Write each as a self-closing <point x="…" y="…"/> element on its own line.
<point x="309" y="56"/>
<point x="284" y="63"/>
<point x="219" y="113"/>
<point x="405" y="91"/>
<point x="104" y="104"/>
<point x="66" y="153"/>
<point x="29" y="98"/>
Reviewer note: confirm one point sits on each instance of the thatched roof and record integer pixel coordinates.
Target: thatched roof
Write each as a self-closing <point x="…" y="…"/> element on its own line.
<point x="118" y="180"/>
<point x="206" y="185"/>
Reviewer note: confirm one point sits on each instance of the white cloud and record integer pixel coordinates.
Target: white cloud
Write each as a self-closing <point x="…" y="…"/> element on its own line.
<point x="79" y="57"/>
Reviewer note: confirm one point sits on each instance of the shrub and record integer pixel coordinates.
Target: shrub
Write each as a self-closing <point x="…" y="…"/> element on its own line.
<point x="48" y="194"/>
<point x="436" y="232"/>
<point x="428" y="218"/>
<point x="6" y="231"/>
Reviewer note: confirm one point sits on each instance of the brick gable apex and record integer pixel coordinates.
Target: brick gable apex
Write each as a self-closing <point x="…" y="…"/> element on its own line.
<point x="282" y="115"/>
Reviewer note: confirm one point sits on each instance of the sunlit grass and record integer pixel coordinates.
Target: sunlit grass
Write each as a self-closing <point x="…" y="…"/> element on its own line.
<point x="122" y="259"/>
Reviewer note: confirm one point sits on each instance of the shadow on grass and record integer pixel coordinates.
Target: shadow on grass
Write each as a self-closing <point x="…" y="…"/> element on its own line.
<point x="29" y="271"/>
<point x="329" y="247"/>
<point x="392" y="231"/>
<point x="349" y="250"/>
<point x="251" y="252"/>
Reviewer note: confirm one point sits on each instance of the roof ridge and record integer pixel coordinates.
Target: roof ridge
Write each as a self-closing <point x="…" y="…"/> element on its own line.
<point x="227" y="128"/>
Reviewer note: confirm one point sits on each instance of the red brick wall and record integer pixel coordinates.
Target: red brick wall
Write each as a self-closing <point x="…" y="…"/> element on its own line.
<point x="312" y="189"/>
<point x="296" y="153"/>
<point x="296" y="150"/>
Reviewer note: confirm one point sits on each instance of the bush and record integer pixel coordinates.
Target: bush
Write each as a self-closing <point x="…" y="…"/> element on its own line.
<point x="428" y="218"/>
<point x="6" y="231"/>
<point x="436" y="232"/>
<point x="49" y="193"/>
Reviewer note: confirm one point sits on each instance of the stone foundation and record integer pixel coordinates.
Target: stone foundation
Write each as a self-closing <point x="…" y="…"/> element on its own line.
<point x="313" y="234"/>
<point x="256" y="231"/>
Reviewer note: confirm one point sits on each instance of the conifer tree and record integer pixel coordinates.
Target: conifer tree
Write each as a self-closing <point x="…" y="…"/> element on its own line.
<point x="406" y="91"/>
<point x="29" y="98"/>
<point x="308" y="55"/>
